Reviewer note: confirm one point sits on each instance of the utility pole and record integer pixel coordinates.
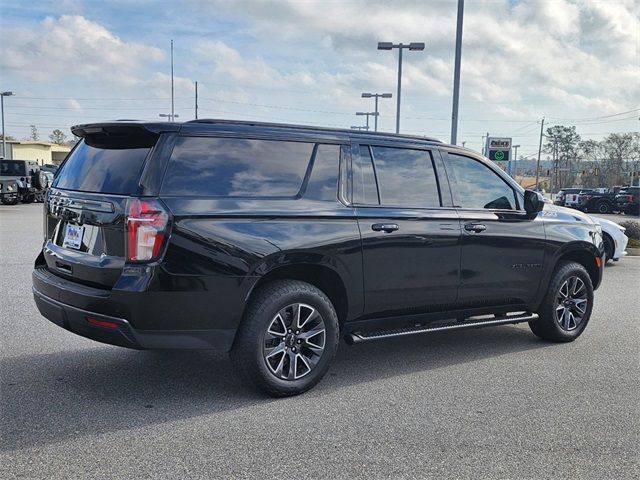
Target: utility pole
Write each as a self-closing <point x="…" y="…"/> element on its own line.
<point x="172" y="110"/>
<point x="515" y="162"/>
<point x="539" y="152"/>
<point x="196" y="100"/>
<point x="456" y="75"/>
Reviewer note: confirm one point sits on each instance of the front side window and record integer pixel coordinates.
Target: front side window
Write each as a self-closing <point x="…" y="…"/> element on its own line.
<point x="406" y="177"/>
<point x="478" y="186"/>
<point x="237" y="167"/>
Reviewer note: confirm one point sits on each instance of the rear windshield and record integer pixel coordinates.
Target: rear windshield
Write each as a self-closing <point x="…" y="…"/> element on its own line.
<point x="102" y="169"/>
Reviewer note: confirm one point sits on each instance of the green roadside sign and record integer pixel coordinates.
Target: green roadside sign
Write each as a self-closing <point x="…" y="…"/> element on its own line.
<point x="499" y="155"/>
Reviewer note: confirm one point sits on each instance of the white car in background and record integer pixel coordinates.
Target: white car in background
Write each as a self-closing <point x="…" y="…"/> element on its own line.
<point x="615" y="241"/>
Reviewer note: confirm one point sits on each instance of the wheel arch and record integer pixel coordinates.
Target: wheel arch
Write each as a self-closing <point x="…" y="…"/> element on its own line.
<point x="585" y="256"/>
<point x="318" y="275"/>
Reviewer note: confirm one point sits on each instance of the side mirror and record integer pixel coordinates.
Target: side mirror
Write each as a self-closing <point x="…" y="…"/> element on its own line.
<point x="533" y="202"/>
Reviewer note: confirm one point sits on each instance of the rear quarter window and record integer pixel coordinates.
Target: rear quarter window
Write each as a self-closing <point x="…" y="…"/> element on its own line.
<point x="237" y="167"/>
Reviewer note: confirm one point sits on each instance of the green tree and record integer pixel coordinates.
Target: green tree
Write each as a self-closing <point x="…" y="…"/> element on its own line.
<point x="58" y="136"/>
<point x="34" y="133"/>
<point x="8" y="138"/>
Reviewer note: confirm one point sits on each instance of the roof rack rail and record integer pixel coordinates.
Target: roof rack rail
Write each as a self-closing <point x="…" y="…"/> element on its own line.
<point x="310" y="127"/>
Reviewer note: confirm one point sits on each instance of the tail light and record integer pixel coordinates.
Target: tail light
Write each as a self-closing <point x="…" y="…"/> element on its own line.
<point x="632" y="198"/>
<point x="147" y="228"/>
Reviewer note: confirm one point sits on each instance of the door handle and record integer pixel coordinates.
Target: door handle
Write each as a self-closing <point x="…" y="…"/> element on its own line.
<point x="384" y="227"/>
<point x="475" y="227"/>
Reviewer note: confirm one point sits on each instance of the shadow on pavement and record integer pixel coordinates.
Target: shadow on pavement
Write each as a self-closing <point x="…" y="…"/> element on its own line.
<point x="53" y="397"/>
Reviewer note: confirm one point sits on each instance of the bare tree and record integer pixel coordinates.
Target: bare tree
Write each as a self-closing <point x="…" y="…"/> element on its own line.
<point x="563" y="143"/>
<point x="618" y="150"/>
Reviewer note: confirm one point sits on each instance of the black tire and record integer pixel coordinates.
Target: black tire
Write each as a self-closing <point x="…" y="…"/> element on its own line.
<point x="249" y="354"/>
<point x="548" y="325"/>
<point x="13" y="201"/>
<point x="603" y="207"/>
<point x="30" y="198"/>
<point x="609" y="248"/>
<point x="39" y="180"/>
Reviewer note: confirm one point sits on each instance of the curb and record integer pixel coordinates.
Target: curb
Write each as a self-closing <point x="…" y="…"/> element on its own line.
<point x="633" y="252"/>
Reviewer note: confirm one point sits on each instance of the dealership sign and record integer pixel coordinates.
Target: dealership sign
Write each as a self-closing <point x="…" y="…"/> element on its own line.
<point x="499" y="149"/>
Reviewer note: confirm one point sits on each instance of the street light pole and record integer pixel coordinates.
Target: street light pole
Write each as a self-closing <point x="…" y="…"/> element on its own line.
<point x="172" y="110"/>
<point x="373" y="114"/>
<point x="414" y="46"/>
<point x="456" y="75"/>
<point x="4" y="140"/>
<point x="169" y="116"/>
<point x="376" y="96"/>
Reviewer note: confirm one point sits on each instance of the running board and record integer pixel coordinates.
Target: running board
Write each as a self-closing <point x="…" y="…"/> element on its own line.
<point x="359" y="337"/>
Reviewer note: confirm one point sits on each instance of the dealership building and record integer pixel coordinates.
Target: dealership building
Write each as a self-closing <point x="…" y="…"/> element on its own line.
<point x="41" y="152"/>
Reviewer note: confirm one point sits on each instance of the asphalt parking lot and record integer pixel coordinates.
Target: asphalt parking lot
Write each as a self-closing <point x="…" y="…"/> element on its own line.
<point x="491" y="403"/>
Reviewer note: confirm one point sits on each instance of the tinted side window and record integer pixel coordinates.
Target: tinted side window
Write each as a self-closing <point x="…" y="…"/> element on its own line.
<point x="406" y="177"/>
<point x="365" y="191"/>
<point x="104" y="169"/>
<point x="236" y="167"/>
<point x="478" y="186"/>
<point x="323" y="182"/>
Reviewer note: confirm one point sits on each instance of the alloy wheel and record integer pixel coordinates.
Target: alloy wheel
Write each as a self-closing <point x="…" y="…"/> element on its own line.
<point x="571" y="303"/>
<point x="294" y="341"/>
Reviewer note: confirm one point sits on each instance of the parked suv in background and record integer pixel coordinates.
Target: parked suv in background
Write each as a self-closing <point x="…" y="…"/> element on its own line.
<point x="628" y="200"/>
<point x="567" y="195"/>
<point x="272" y="241"/>
<point x="31" y="181"/>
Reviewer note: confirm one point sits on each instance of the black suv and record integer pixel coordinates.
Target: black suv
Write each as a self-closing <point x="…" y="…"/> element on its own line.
<point x="628" y="200"/>
<point x="273" y="241"/>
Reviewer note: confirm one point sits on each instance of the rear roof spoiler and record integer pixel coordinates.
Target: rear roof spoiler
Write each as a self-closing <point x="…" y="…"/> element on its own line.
<point x="123" y="127"/>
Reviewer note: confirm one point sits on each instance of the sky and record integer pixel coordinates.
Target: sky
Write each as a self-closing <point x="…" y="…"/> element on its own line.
<point x="574" y="62"/>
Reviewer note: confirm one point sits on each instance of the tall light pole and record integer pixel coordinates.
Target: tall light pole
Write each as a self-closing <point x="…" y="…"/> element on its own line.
<point x="376" y="96"/>
<point x="373" y="114"/>
<point x="170" y="116"/>
<point x="4" y="140"/>
<point x="456" y="75"/>
<point x="172" y="111"/>
<point x="413" y="46"/>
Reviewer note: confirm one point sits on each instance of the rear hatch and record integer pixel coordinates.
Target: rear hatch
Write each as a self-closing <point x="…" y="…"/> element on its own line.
<point x="86" y="210"/>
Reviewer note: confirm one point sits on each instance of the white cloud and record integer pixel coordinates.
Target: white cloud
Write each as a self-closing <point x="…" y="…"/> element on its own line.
<point x="72" y="45"/>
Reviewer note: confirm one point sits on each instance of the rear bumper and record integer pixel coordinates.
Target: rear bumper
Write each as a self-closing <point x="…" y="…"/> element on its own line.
<point x="120" y="331"/>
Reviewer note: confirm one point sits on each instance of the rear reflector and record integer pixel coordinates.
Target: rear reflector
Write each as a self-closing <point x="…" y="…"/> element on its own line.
<point x="598" y="262"/>
<point x="102" y="323"/>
